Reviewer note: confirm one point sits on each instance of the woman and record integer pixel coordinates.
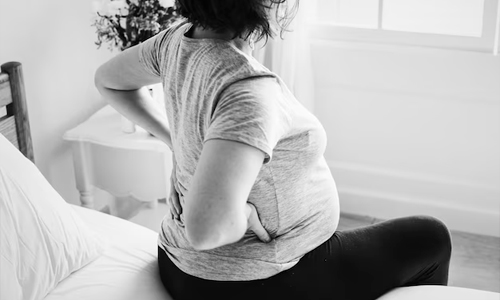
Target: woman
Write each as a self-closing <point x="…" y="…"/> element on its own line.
<point x="255" y="209"/>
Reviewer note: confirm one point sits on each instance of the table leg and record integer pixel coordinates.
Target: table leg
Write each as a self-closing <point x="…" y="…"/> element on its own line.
<point x="83" y="173"/>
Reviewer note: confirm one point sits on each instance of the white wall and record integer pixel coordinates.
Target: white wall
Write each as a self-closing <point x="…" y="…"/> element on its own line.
<point x="412" y="131"/>
<point x="54" y="41"/>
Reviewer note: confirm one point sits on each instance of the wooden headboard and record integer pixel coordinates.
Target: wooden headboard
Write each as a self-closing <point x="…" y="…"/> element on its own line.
<point x="15" y="124"/>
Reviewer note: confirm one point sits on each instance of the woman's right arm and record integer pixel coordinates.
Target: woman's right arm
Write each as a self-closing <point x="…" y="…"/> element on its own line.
<point x="216" y="208"/>
<point x="175" y="207"/>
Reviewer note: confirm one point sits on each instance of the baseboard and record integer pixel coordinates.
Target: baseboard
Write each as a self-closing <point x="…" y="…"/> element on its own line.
<point x="386" y="194"/>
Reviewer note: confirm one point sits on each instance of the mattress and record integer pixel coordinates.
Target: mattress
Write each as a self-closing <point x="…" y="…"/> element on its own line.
<point x="127" y="269"/>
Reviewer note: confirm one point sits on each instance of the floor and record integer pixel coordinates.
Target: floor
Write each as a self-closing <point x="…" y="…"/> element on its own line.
<point x="475" y="259"/>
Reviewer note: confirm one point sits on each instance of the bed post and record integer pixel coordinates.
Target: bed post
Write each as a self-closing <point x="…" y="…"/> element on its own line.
<point x="18" y="107"/>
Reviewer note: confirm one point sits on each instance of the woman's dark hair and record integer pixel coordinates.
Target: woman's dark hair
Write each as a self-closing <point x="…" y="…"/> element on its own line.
<point x="244" y="17"/>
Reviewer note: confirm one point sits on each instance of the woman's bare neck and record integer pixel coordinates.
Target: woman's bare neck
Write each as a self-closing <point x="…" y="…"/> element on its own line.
<point x="204" y="33"/>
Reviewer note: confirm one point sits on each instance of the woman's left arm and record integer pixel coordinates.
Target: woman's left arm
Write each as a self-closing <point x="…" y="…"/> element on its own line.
<point x="121" y="81"/>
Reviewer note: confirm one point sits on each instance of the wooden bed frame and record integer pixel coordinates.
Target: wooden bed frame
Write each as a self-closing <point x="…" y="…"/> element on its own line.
<point x="15" y="125"/>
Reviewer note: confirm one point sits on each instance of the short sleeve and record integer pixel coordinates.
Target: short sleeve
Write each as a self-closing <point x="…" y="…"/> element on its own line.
<point x="151" y="52"/>
<point x="250" y="111"/>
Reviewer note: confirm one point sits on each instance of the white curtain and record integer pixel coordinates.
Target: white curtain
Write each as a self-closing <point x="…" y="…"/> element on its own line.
<point x="290" y="57"/>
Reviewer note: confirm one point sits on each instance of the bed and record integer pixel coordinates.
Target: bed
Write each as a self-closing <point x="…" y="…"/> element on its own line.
<point x="53" y="250"/>
<point x="112" y="259"/>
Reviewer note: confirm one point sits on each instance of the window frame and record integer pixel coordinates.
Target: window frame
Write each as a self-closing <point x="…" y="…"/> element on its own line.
<point x="487" y="43"/>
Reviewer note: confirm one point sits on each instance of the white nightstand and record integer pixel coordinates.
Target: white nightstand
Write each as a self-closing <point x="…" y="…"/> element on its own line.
<point x="123" y="164"/>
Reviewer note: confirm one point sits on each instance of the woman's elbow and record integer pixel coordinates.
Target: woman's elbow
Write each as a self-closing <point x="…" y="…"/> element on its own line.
<point x="210" y="236"/>
<point x="201" y="243"/>
<point x="202" y="239"/>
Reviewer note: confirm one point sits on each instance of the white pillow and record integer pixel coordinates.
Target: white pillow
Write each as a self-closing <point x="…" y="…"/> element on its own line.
<point x="42" y="239"/>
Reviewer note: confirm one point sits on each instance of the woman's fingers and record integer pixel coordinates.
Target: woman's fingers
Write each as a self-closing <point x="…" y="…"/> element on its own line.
<point x="173" y="200"/>
<point x="256" y="226"/>
<point x="261" y="233"/>
<point x="173" y="212"/>
<point x="176" y="203"/>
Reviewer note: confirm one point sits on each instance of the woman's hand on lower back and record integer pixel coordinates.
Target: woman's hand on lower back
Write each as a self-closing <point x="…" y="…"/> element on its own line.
<point x="255" y="225"/>
<point x="174" y="202"/>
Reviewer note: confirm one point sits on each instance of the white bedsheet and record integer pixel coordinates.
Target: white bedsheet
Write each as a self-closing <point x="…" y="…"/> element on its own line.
<point x="127" y="269"/>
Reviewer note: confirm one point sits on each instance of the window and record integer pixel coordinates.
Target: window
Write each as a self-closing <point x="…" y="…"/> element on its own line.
<point x="452" y="17"/>
<point x="350" y="13"/>
<point x="464" y="24"/>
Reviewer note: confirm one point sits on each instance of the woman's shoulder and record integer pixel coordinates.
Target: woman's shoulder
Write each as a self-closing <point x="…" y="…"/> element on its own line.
<point x="231" y="65"/>
<point x="217" y="59"/>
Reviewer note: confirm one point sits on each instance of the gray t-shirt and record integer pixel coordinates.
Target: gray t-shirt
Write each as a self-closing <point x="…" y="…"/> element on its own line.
<point x="215" y="91"/>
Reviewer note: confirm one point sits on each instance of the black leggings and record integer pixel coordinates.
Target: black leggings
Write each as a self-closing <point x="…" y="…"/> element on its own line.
<point x="357" y="264"/>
